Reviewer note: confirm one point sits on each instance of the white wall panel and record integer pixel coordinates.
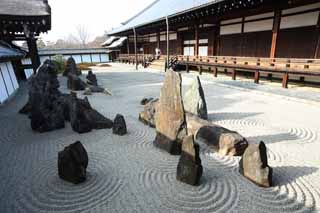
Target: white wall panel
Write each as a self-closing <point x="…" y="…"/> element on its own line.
<point x="203" y="51"/>
<point x="230" y="21"/>
<point x="77" y="58"/>
<point x="188" y="51"/>
<point x="153" y="39"/>
<point x="86" y="58"/>
<point x="230" y="29"/>
<point x="95" y="58"/>
<point x="3" y="90"/>
<point x="260" y="16"/>
<point x="13" y="75"/>
<point x="26" y="61"/>
<point x="258" y="26"/>
<point x="301" y="9"/>
<point x="7" y="78"/>
<point x="301" y="20"/>
<point x="28" y="72"/>
<point x="104" y="58"/>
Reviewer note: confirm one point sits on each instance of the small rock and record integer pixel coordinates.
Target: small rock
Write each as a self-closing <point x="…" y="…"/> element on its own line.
<point x="96" y="89"/>
<point x="92" y="79"/>
<point x="97" y="120"/>
<point x="147" y="116"/>
<point x="254" y="165"/>
<point x="145" y="101"/>
<point x="194" y="100"/>
<point x="119" y="125"/>
<point x="75" y="83"/>
<point x="72" y="163"/>
<point x="87" y="91"/>
<point x="189" y="169"/>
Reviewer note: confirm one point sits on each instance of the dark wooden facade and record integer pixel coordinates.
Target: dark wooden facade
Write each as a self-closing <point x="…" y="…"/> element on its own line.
<point x="269" y="28"/>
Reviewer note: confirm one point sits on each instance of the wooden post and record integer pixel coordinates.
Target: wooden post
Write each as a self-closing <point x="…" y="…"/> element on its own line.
<point x="200" y="70"/>
<point x="187" y="68"/>
<point x="135" y="47"/>
<point x="158" y="39"/>
<point x="275" y="31"/>
<point x="168" y="40"/>
<point x="215" y="72"/>
<point x="256" y="77"/>
<point x="33" y="52"/>
<point x="196" y="37"/>
<point x="241" y="37"/>
<point x="128" y="45"/>
<point x="317" y="50"/>
<point x="234" y="74"/>
<point x="285" y="80"/>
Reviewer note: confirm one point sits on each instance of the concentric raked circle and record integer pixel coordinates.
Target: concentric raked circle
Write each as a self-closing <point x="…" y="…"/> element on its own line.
<point x="215" y="193"/>
<point x="292" y="192"/>
<point x="46" y="192"/>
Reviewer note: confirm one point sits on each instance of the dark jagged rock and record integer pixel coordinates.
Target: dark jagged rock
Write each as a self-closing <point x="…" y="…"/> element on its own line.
<point x="170" y="116"/>
<point x="96" y="89"/>
<point x="83" y="118"/>
<point x="119" y="125"/>
<point x="72" y="163"/>
<point x="189" y="169"/>
<point x="146" y="101"/>
<point x="147" y="116"/>
<point x="92" y="79"/>
<point x="75" y="83"/>
<point x="71" y="68"/>
<point x="254" y="165"/>
<point x="194" y="100"/>
<point x="44" y="106"/>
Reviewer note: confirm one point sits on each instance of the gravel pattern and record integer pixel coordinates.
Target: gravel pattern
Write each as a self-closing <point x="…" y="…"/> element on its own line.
<point x="128" y="174"/>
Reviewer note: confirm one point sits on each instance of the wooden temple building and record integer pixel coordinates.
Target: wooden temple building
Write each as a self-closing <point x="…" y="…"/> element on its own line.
<point x="274" y="38"/>
<point x="20" y="20"/>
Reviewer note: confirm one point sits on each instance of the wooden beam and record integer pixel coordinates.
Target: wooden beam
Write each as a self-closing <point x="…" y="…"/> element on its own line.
<point x="275" y="32"/>
<point x="34" y="54"/>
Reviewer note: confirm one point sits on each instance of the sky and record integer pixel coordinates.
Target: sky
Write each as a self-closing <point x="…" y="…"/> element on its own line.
<point x="97" y="16"/>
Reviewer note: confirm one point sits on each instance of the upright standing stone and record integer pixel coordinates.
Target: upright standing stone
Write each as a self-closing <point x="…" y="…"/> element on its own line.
<point x="254" y="165"/>
<point x="71" y="68"/>
<point x="194" y="100"/>
<point x="92" y="79"/>
<point x="72" y="163"/>
<point x="170" y="117"/>
<point x="189" y="169"/>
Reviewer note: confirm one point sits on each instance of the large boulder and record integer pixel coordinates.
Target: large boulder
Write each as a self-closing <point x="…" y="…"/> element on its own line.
<point x="75" y="83"/>
<point x="44" y="106"/>
<point x="71" y="68"/>
<point x="189" y="169"/>
<point x="170" y="117"/>
<point x="92" y="79"/>
<point x="119" y="125"/>
<point x="147" y="116"/>
<point x="254" y="165"/>
<point x="72" y="163"/>
<point x="194" y="100"/>
<point x="222" y="140"/>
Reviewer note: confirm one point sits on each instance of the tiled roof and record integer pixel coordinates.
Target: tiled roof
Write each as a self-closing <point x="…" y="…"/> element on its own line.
<point x="24" y="7"/>
<point x="9" y="51"/>
<point x="159" y="10"/>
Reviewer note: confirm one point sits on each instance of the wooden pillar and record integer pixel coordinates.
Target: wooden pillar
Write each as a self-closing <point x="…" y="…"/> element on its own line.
<point x="242" y="37"/>
<point x="135" y="47"/>
<point x="196" y="37"/>
<point x="234" y="74"/>
<point x="168" y="41"/>
<point x="158" y="39"/>
<point x="215" y="72"/>
<point x="275" y="32"/>
<point x="128" y="46"/>
<point x="187" y="68"/>
<point x="200" y="70"/>
<point x="317" y="50"/>
<point x="256" y="77"/>
<point x="285" y="80"/>
<point x="33" y="52"/>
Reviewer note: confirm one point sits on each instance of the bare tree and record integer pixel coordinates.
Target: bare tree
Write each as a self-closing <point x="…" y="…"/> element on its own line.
<point x="83" y="34"/>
